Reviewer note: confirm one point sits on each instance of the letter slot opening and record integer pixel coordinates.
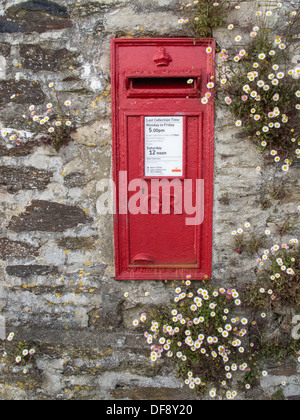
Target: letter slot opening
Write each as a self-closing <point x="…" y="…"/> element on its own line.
<point x="163" y="83"/>
<point x="163" y="86"/>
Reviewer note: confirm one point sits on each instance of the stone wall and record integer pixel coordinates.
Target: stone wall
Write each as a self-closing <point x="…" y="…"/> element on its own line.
<point x="57" y="287"/>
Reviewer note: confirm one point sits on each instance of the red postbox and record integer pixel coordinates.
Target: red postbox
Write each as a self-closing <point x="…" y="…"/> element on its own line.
<point x="163" y="144"/>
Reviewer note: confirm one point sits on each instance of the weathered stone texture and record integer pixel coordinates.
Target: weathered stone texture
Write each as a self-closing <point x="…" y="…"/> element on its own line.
<point x="17" y="249"/>
<point x="75" y="180"/>
<point x="36" y="58"/>
<point x="30" y="270"/>
<point x="5" y="49"/>
<point x="25" y="91"/>
<point x="46" y="6"/>
<point x="29" y="178"/>
<point x="45" y="216"/>
<point x="77" y="243"/>
<point x="35" y="16"/>
<point x="22" y="150"/>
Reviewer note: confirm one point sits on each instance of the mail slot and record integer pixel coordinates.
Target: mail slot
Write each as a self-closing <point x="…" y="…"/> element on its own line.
<point x="165" y="85"/>
<point x="163" y="144"/>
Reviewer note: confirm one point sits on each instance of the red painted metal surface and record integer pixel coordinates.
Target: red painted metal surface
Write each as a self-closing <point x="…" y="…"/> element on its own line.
<point x="161" y="78"/>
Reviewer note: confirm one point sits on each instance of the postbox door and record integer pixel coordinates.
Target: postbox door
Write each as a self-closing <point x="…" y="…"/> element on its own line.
<point x="159" y="234"/>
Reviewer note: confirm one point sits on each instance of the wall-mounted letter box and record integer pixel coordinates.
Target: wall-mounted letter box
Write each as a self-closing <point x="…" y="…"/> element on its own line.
<point x="162" y="157"/>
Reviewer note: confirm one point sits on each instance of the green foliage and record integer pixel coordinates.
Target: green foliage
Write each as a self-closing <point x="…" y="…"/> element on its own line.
<point x="224" y="199"/>
<point x="203" y="16"/>
<point x="247" y="241"/>
<point x="278" y="395"/>
<point x="257" y="81"/>
<point x="264" y="97"/>
<point x="203" y="335"/>
<point x="17" y="353"/>
<point x="61" y="137"/>
<point x="278" y="284"/>
<point x="48" y="124"/>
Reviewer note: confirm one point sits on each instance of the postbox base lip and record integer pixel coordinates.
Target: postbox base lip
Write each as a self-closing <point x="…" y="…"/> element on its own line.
<point x="167" y="276"/>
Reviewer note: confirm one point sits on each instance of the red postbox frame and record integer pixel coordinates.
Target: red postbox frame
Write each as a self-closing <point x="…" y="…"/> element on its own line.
<point x="124" y="270"/>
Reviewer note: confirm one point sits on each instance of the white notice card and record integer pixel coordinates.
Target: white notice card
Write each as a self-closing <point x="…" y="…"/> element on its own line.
<point x="164" y="146"/>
